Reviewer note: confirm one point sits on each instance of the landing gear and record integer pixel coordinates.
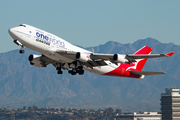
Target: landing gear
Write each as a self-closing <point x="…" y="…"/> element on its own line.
<point x="75" y="70"/>
<point x="21" y="51"/>
<point x="19" y="44"/>
<point x="79" y="70"/>
<point x="59" y="71"/>
<point x="72" y="72"/>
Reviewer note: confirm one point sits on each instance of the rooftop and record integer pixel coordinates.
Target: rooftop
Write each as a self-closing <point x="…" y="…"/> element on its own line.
<point x="171" y="92"/>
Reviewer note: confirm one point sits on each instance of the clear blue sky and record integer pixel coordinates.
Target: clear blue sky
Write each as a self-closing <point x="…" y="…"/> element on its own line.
<point x="93" y="22"/>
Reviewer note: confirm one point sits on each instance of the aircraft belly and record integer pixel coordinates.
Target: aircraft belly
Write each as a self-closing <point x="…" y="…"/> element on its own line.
<point x="100" y="70"/>
<point x="111" y="71"/>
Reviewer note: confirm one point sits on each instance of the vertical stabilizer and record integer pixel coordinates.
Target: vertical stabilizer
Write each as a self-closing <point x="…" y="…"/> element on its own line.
<point x="143" y="51"/>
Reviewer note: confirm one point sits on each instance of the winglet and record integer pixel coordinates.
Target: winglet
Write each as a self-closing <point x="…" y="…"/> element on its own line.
<point x="170" y="54"/>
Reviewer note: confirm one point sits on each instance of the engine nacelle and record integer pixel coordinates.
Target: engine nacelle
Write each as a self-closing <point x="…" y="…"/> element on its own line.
<point x="82" y="57"/>
<point x="35" y="60"/>
<point x="119" y="58"/>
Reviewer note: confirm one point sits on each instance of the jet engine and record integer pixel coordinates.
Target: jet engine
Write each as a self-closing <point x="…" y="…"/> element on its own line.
<point x="35" y="60"/>
<point x="119" y="58"/>
<point x="82" y="57"/>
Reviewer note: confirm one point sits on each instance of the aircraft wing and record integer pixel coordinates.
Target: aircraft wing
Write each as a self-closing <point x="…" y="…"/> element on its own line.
<point x="97" y="59"/>
<point x="129" y="57"/>
<point x="146" y="73"/>
<point x="150" y="56"/>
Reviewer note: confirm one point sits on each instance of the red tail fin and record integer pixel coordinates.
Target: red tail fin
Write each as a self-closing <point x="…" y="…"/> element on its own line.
<point x="144" y="50"/>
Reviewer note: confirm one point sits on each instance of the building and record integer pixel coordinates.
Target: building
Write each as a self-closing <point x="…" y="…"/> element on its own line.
<point x="143" y="116"/>
<point x="170" y="104"/>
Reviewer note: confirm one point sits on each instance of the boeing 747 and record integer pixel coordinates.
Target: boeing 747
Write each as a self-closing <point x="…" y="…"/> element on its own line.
<point x="63" y="55"/>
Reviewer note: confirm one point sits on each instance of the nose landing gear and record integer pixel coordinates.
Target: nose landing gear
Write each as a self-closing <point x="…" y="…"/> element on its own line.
<point x="21" y="51"/>
<point x="19" y="44"/>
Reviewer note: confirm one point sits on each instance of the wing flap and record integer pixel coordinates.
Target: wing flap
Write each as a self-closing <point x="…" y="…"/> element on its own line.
<point x="96" y="56"/>
<point x="146" y="73"/>
<point x="66" y="52"/>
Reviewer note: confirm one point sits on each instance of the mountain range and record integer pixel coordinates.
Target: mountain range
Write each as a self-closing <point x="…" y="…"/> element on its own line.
<point x="24" y="85"/>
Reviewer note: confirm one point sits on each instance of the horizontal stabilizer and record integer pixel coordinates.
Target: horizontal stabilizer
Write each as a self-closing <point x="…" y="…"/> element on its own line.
<point x="170" y="54"/>
<point x="146" y="73"/>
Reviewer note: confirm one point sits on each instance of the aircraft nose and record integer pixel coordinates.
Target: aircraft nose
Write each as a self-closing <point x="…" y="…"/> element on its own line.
<point x="11" y="33"/>
<point x="10" y="30"/>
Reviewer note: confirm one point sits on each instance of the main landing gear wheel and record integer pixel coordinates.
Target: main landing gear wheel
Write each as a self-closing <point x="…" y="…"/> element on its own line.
<point x="81" y="72"/>
<point x="59" y="72"/>
<point x="74" y="72"/>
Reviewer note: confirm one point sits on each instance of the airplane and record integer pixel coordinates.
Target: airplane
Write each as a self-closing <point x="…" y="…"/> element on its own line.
<point x="64" y="55"/>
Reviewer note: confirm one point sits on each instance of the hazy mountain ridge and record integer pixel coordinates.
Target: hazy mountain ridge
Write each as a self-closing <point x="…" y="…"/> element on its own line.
<point x="27" y="85"/>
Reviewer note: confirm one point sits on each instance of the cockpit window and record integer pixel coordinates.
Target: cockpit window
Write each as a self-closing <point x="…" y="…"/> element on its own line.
<point x="22" y="25"/>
